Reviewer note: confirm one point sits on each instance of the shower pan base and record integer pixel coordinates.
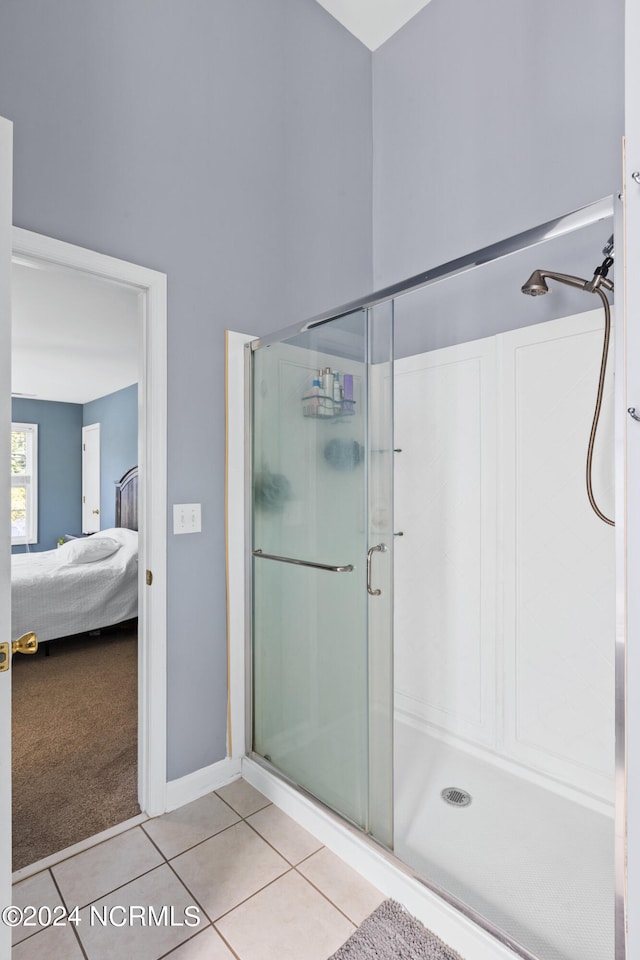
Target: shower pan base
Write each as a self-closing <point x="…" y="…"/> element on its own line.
<point x="534" y="863"/>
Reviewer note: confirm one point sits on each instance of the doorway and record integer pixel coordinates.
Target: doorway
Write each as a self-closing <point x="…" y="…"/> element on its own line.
<point x="145" y="292"/>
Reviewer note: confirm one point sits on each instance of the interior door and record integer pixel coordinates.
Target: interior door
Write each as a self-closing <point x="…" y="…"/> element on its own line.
<point x="5" y="550"/>
<point x="91" y="478"/>
<point x="317" y="563"/>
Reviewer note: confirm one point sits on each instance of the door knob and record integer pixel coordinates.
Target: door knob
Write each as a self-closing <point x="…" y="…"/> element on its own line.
<point x="95" y="511"/>
<point x="27" y="643"/>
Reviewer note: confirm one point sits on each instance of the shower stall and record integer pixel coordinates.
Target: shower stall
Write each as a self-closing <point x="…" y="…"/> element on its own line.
<point x="432" y="579"/>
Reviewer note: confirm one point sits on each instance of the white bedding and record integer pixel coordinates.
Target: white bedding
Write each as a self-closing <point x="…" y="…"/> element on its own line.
<point x="56" y="598"/>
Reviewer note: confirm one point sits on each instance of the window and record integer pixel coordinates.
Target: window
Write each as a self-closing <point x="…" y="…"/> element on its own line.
<point x="24" y="483"/>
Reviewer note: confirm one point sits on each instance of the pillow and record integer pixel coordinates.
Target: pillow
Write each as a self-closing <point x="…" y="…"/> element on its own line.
<point x="119" y="534"/>
<point x="87" y="549"/>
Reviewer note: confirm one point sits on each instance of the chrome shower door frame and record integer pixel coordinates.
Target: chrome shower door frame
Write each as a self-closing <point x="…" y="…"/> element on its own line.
<point x="573" y="221"/>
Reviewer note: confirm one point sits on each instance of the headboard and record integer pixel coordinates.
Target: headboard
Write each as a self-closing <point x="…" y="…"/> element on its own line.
<point x="127" y="500"/>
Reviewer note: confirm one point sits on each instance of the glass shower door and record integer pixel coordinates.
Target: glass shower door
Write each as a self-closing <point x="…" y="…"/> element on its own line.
<point x="314" y="562"/>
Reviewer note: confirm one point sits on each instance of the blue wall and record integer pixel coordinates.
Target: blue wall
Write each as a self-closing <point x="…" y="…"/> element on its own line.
<point x="60" y="457"/>
<point x="227" y="144"/>
<point x="117" y="414"/>
<point x="481" y="132"/>
<point x="59" y="467"/>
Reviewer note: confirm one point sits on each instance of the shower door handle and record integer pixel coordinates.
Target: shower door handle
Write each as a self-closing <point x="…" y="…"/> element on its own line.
<point x="379" y="548"/>
<point x="346" y="568"/>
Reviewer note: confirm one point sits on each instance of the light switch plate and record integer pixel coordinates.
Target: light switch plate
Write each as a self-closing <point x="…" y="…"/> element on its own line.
<point x="187" y="518"/>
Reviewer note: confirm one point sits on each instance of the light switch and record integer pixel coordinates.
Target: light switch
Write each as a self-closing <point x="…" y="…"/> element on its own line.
<point x="187" y="518"/>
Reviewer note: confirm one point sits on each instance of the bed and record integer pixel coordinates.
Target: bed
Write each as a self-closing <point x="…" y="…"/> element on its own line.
<point x="87" y="583"/>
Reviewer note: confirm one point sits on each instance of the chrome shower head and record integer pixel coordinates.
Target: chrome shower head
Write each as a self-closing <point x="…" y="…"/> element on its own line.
<point x="535" y="285"/>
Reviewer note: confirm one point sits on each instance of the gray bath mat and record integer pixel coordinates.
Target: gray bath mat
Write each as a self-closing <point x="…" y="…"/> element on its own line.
<point x="390" y="933"/>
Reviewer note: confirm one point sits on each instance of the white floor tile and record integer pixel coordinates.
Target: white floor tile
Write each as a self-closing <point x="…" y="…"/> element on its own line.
<point x="283" y="833"/>
<point x="244" y="798"/>
<point x="102" y="868"/>
<point x="183" y="828"/>
<point x="288" y="920"/>
<point x="350" y="892"/>
<point x="36" y="891"/>
<point x="207" y="945"/>
<point x="156" y="889"/>
<point x="54" y="943"/>
<point x="228" y="868"/>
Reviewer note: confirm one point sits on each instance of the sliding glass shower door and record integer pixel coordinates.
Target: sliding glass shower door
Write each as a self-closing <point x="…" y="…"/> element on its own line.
<point x="321" y="558"/>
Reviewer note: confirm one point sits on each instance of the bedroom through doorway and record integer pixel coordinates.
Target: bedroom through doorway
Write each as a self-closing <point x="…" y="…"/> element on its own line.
<point x="77" y="361"/>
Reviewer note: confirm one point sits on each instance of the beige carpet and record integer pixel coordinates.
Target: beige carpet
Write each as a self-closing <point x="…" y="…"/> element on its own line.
<point x="74" y="741"/>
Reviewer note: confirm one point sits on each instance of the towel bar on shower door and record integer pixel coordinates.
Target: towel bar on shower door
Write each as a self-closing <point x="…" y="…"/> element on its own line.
<point x="347" y="568"/>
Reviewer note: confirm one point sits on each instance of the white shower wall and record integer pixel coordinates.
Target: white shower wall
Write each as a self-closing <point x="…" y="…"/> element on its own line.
<point x="504" y="578"/>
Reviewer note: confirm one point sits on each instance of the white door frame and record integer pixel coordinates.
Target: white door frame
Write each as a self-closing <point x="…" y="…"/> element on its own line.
<point x="6" y="154"/>
<point x="152" y="492"/>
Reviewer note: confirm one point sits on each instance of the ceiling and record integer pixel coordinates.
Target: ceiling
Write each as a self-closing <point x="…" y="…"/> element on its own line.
<point x="74" y="336"/>
<point x="373" y="21"/>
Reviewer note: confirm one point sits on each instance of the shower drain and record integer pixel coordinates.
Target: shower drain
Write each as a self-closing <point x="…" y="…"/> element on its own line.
<point x="456" y="797"/>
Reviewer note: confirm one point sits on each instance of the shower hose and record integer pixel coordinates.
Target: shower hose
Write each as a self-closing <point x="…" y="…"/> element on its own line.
<point x="598" y="407"/>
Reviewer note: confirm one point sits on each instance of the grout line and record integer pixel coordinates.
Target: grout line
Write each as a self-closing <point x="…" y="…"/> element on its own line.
<point x="279" y="852"/>
<point x="74" y="925"/>
<point x="226" y="943"/>
<point x="304" y="859"/>
<point x="175" y="856"/>
<point x="237" y="812"/>
<point x="327" y="898"/>
<point x="152" y="841"/>
<point x="125" y="884"/>
<point x="193" y="898"/>
<point x="252" y="895"/>
<point x="42" y="929"/>
<point x="120" y="886"/>
<point x="189" y="939"/>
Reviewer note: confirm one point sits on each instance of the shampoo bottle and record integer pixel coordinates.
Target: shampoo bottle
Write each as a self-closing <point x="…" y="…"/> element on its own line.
<point x="337" y="398"/>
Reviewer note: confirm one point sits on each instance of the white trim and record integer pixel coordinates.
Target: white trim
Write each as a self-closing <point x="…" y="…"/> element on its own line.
<point x="79" y="847"/>
<point x="152" y="460"/>
<point x="235" y="480"/>
<point x="6" y="156"/>
<point x="445" y="921"/>
<point x="200" y="782"/>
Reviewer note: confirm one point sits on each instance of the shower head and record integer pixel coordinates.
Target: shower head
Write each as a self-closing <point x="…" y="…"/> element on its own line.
<point x="535" y="285"/>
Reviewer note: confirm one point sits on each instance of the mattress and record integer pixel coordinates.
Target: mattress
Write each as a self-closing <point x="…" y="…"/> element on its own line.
<point x="56" y="598"/>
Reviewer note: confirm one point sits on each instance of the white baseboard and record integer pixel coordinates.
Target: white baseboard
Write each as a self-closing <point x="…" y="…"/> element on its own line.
<point x="455" y="929"/>
<point x="196" y="784"/>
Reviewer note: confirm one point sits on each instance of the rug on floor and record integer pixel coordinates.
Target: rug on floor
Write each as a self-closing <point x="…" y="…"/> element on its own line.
<point x="390" y="933"/>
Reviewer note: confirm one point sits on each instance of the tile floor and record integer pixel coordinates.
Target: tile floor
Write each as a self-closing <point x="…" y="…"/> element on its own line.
<point x="261" y="887"/>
